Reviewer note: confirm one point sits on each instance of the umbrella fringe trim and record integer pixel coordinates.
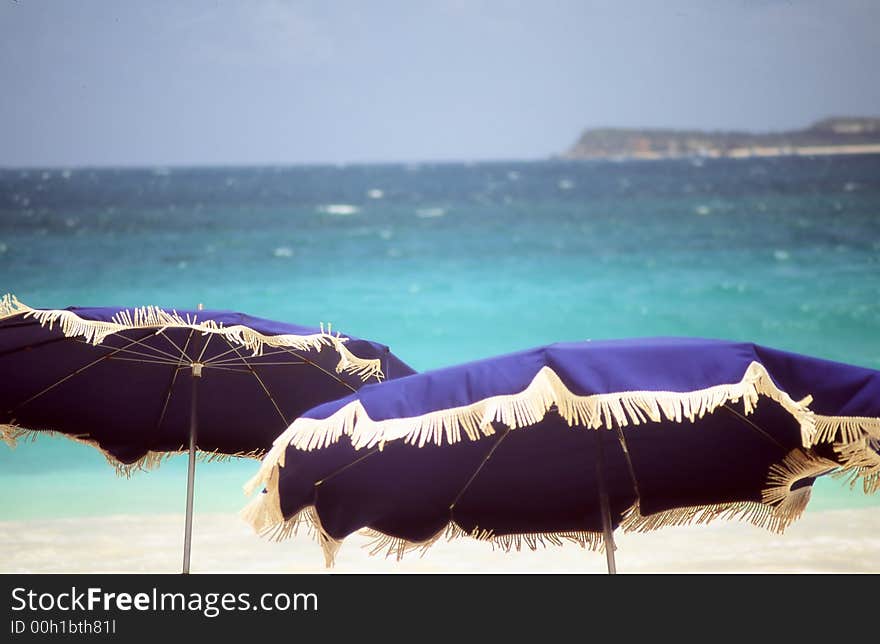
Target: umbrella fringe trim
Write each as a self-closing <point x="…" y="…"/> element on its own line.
<point x="12" y="435"/>
<point x="94" y="332"/>
<point x="797" y="465"/>
<point x="529" y="407"/>
<point x="397" y="547"/>
<point x="861" y="463"/>
<point x="263" y="514"/>
<point x="856" y="440"/>
<point x="845" y="429"/>
<point x="753" y="512"/>
<point x="780" y="505"/>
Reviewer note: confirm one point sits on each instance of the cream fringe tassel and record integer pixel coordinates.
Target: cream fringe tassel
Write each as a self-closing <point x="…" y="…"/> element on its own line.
<point x="265" y="517"/>
<point x="780" y="506"/>
<point x="397" y="547"/>
<point x="851" y="429"/>
<point x="856" y="440"/>
<point x="151" y="317"/>
<point x="861" y="463"/>
<point x="528" y="408"/>
<point x="12" y="435"/>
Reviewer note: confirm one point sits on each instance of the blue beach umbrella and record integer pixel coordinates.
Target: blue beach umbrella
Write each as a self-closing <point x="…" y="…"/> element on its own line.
<point x="145" y="383"/>
<point x="569" y="442"/>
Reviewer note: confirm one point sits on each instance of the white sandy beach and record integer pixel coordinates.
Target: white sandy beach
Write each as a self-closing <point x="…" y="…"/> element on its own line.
<point x="832" y="541"/>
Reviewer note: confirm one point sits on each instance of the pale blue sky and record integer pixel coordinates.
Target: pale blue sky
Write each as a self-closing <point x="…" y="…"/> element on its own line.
<point x="171" y="82"/>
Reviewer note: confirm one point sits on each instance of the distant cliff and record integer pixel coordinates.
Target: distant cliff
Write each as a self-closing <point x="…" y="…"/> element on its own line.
<point x="842" y="135"/>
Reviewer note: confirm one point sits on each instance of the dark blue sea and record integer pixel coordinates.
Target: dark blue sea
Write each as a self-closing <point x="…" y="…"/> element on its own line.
<point x="445" y="263"/>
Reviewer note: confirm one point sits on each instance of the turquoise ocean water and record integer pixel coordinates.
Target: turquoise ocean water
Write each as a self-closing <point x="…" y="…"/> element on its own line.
<point x="444" y="263"/>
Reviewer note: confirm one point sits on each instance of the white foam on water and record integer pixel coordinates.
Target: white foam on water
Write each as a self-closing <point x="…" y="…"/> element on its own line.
<point x="283" y="251"/>
<point x="375" y="193"/>
<point x="428" y="213"/>
<point x="702" y="209"/>
<point x="339" y="209"/>
<point x="565" y="184"/>
<point x="781" y="255"/>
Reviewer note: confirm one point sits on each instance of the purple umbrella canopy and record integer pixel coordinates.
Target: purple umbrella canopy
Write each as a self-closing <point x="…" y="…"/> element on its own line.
<point x="684" y="431"/>
<point x="114" y="377"/>
<point x="123" y="380"/>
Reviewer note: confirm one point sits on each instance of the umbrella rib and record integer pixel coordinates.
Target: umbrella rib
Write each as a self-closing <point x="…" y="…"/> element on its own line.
<point x="181" y="352"/>
<point x="263" y="354"/>
<point x="479" y="469"/>
<point x="345" y="467"/>
<point x="204" y="348"/>
<point x="31" y="346"/>
<point x="232" y="364"/>
<point x="260" y="362"/>
<point x="140" y="343"/>
<point x="168" y="359"/>
<point x="142" y="361"/>
<point x="317" y="486"/>
<point x="216" y="358"/>
<point x="69" y="376"/>
<point x="317" y="366"/>
<point x="754" y="426"/>
<point x="262" y="384"/>
<point x="629" y="463"/>
<point x="236" y="359"/>
<point x="229" y="369"/>
<point x="171" y="384"/>
<point x="18" y="325"/>
<point x="266" y="354"/>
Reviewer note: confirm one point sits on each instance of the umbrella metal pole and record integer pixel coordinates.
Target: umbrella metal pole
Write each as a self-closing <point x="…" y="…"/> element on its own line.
<point x="191" y="467"/>
<point x="605" y="506"/>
